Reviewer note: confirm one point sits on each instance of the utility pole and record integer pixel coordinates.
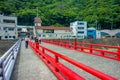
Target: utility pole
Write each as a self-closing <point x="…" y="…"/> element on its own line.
<point x="34" y="30"/>
<point x="37" y="11"/>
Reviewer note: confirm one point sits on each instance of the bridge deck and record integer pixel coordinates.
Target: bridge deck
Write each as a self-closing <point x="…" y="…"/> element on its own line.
<point x="108" y="66"/>
<point x="29" y="67"/>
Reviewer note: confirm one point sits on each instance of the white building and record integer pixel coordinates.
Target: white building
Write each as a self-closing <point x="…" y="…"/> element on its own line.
<point x="8" y="27"/>
<point x="51" y="32"/>
<point x="79" y="29"/>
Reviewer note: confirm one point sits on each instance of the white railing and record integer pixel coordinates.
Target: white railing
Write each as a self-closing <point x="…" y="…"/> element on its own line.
<point x="7" y="61"/>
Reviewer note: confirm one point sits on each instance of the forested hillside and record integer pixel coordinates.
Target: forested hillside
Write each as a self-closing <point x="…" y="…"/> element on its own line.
<point x="102" y="13"/>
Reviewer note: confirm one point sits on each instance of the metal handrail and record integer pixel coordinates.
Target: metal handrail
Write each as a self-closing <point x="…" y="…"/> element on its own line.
<point x="7" y="61"/>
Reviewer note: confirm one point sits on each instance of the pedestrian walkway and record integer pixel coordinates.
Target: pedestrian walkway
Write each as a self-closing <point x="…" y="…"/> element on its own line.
<point x="29" y="67"/>
<point x="108" y="66"/>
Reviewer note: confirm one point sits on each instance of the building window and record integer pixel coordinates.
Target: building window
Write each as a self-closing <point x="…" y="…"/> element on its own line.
<point x="0" y="37"/>
<point x="80" y="27"/>
<point x="5" y="28"/>
<point x="48" y="31"/>
<point x="19" y="29"/>
<point x="9" y="36"/>
<point x="44" y="35"/>
<point x="80" y="23"/>
<point x="37" y="24"/>
<point x="6" y="36"/>
<point x="81" y="32"/>
<point x="67" y="30"/>
<point x="8" y="21"/>
<point x="11" y="29"/>
<point x="14" y="37"/>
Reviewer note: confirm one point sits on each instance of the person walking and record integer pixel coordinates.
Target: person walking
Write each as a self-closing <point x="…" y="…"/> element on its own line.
<point x="39" y="38"/>
<point x="26" y="42"/>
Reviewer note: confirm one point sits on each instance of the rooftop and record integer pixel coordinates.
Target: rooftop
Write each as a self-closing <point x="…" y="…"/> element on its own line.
<point x="53" y="28"/>
<point x="37" y="20"/>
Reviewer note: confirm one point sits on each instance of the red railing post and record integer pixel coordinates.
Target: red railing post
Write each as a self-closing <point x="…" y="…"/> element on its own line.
<point x="119" y="53"/>
<point x="102" y="52"/>
<point x="81" y="48"/>
<point x="43" y="51"/>
<point x="91" y="51"/>
<point x="37" y="45"/>
<point x="56" y="61"/>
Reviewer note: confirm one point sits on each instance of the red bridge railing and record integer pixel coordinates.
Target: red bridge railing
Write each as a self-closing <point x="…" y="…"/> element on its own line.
<point x="107" y="51"/>
<point x="52" y="60"/>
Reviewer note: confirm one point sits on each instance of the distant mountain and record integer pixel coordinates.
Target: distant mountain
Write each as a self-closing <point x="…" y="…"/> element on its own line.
<point x="105" y="14"/>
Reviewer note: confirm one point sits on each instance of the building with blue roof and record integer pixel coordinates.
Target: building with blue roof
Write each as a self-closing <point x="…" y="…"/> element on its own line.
<point x="91" y="33"/>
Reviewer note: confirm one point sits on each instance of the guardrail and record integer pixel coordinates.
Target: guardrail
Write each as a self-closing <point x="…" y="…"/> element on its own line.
<point x="107" y="51"/>
<point x="7" y="61"/>
<point x="53" y="60"/>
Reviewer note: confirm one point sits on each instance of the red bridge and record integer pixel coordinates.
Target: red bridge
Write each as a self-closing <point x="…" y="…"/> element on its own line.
<point x="63" y="60"/>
